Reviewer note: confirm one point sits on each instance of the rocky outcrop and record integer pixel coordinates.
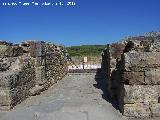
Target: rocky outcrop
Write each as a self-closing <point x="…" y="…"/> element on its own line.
<point x="27" y="69"/>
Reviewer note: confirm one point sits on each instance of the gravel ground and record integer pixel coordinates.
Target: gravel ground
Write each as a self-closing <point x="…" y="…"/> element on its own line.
<point x="76" y="97"/>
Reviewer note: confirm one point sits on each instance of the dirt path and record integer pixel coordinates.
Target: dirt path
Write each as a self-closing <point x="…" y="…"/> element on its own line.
<point x="76" y="97"/>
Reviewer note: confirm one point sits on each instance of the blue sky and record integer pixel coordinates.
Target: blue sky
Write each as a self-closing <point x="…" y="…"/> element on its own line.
<point x="89" y="22"/>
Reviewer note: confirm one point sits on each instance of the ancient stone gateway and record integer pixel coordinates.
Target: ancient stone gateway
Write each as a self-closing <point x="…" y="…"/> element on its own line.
<point x="27" y="69"/>
<point x="131" y="71"/>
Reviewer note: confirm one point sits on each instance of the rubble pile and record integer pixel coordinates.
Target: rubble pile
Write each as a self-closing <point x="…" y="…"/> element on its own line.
<point x="27" y="69"/>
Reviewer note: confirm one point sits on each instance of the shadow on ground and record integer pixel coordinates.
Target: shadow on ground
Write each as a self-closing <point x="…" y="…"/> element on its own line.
<point x="102" y="84"/>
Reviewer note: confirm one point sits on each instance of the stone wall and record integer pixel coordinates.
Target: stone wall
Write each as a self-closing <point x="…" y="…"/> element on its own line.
<point x="27" y="69"/>
<point x="134" y="82"/>
<point x="140" y="90"/>
<point x="110" y="56"/>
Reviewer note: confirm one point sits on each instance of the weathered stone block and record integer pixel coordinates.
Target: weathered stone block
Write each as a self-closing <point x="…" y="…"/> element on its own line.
<point x="17" y="95"/>
<point x="140" y="93"/>
<point x="152" y="77"/>
<point x="5" y="98"/>
<point x="26" y="76"/>
<point x="138" y="110"/>
<point x="52" y="61"/>
<point x="36" y="90"/>
<point x="21" y="93"/>
<point x="3" y="49"/>
<point x="113" y="63"/>
<point x="5" y="63"/>
<point x="8" y="80"/>
<point x="37" y="49"/>
<point x="155" y="109"/>
<point x="10" y="51"/>
<point x="40" y="61"/>
<point x="115" y="79"/>
<point x="40" y="74"/>
<point x="139" y="61"/>
<point x="131" y="78"/>
<point x="155" y="47"/>
<point x="5" y="108"/>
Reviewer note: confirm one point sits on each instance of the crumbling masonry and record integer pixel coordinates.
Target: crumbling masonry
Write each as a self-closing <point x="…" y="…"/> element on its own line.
<point x="132" y="72"/>
<point x="27" y="69"/>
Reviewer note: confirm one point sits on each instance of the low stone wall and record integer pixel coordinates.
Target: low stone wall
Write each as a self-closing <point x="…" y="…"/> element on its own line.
<point x="27" y="69"/>
<point x="135" y="81"/>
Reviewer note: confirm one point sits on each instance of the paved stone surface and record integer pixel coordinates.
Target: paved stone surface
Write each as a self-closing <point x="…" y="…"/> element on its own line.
<point x="76" y="97"/>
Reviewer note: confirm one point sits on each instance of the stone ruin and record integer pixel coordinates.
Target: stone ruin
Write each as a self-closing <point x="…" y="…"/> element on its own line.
<point x="27" y="69"/>
<point x="132" y="72"/>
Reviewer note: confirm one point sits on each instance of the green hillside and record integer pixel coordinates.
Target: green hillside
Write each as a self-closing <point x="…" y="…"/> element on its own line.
<point x="85" y="50"/>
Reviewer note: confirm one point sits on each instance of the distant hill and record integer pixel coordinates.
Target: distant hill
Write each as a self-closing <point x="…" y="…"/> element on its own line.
<point x="86" y="50"/>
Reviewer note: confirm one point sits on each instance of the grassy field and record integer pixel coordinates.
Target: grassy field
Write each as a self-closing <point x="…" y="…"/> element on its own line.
<point x="86" y="50"/>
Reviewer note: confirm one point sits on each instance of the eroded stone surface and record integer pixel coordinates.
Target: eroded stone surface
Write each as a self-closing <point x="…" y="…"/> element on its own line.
<point x="141" y="61"/>
<point x="138" y="110"/>
<point x="141" y="93"/>
<point x="132" y="78"/>
<point x="155" y="108"/>
<point x="152" y="77"/>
